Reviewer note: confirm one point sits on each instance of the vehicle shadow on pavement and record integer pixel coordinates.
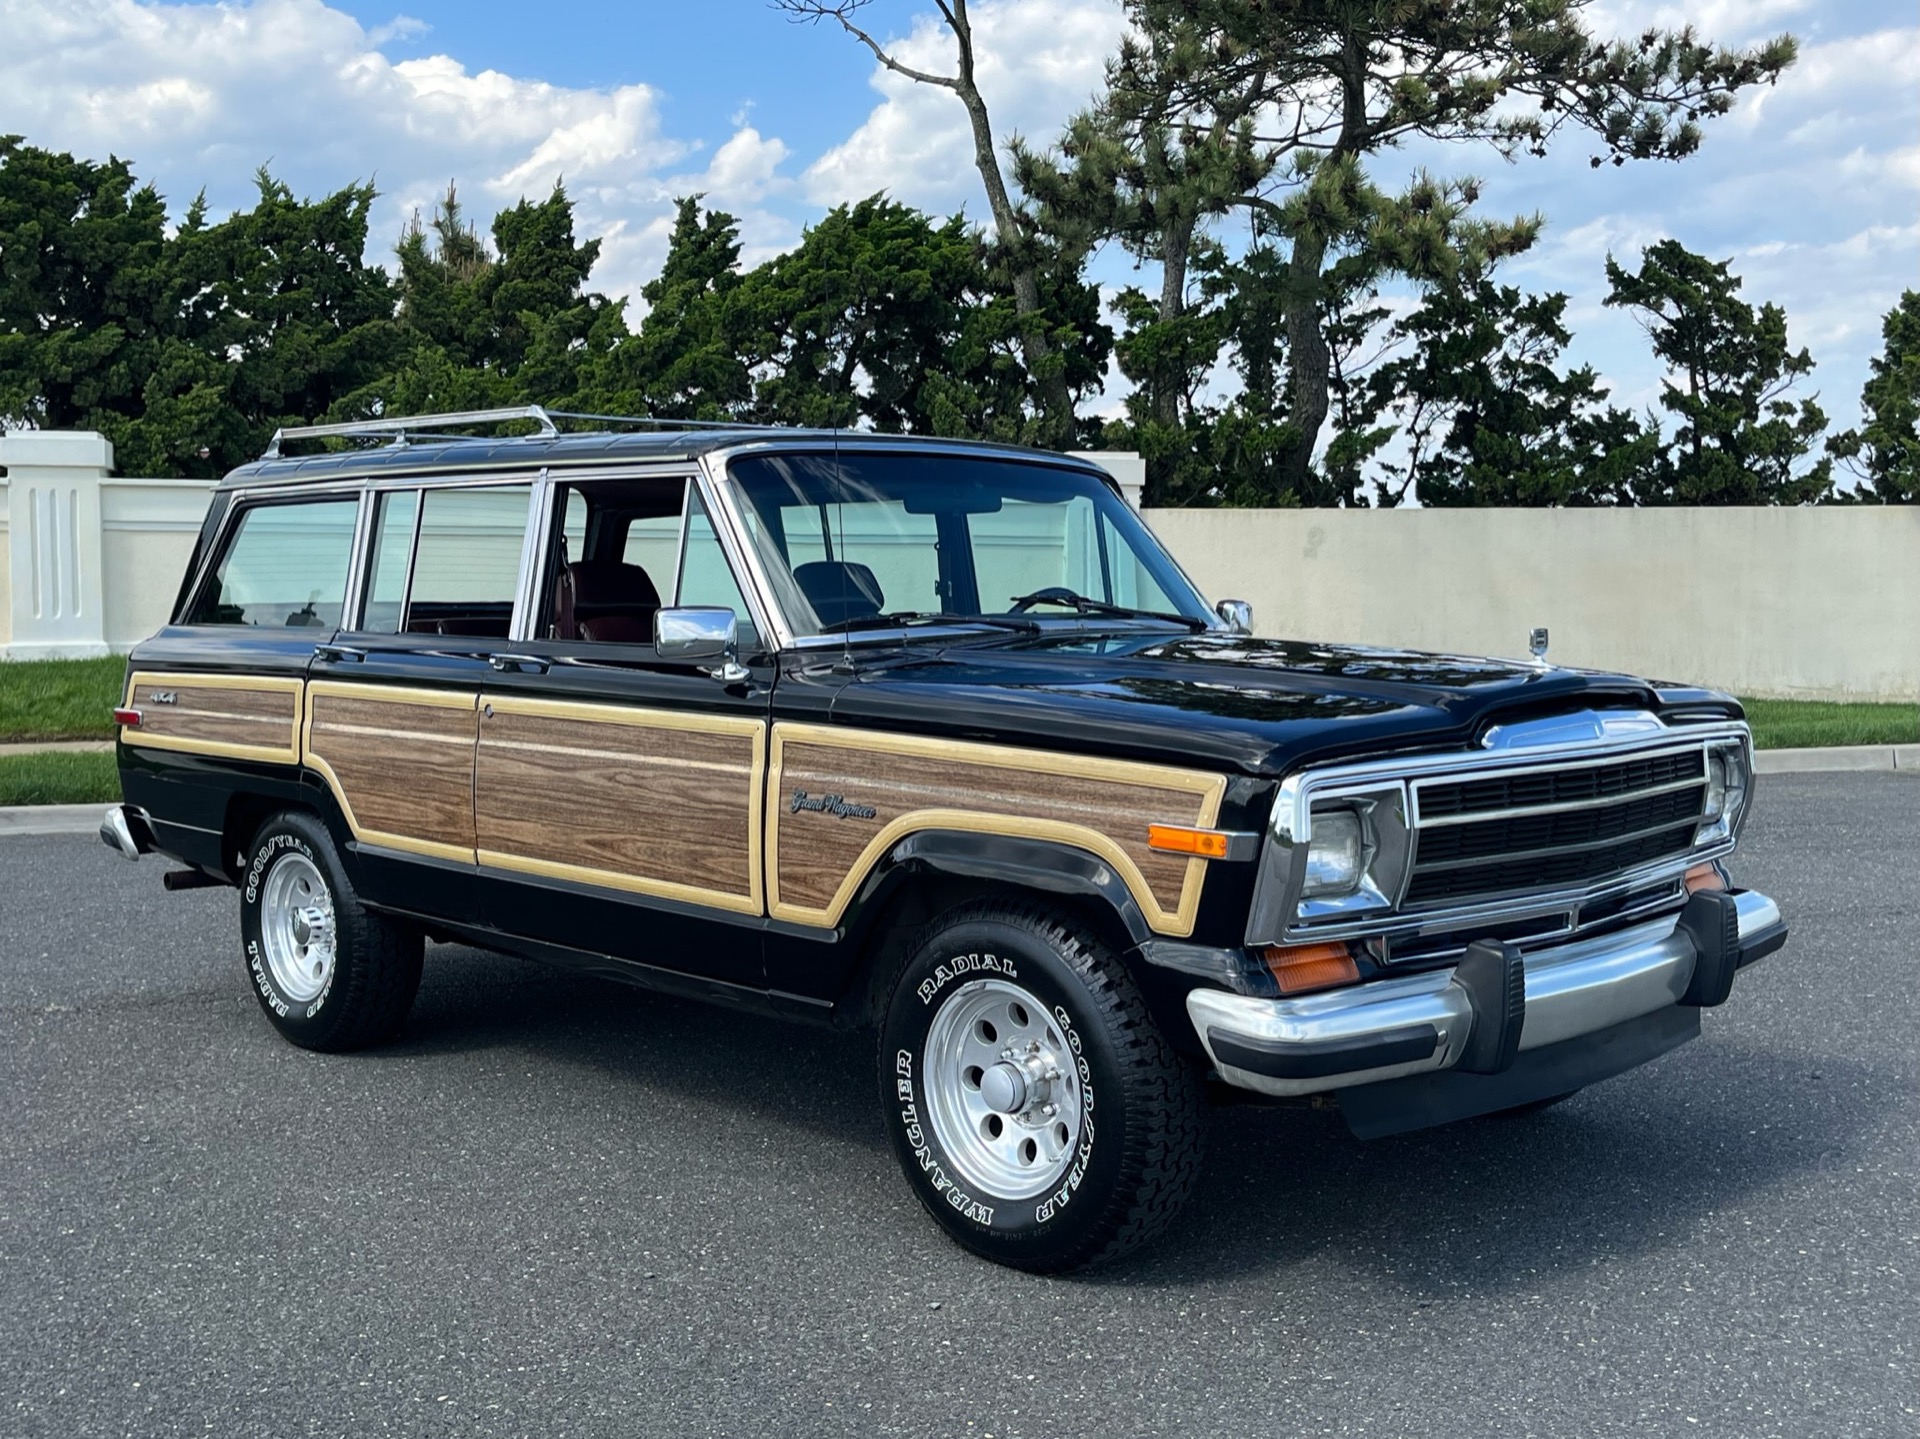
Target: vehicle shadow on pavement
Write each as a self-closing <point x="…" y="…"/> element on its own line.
<point x="471" y="1000"/>
<point x="1643" y="1163"/>
<point x="1639" y="1164"/>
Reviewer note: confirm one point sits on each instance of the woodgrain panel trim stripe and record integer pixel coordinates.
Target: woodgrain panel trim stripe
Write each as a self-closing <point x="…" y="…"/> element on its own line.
<point x="396" y="696"/>
<point x="1206" y="790"/>
<point x="754" y="731"/>
<point x="279" y="736"/>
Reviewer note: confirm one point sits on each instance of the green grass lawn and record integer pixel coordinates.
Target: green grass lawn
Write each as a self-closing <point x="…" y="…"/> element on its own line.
<point x="58" y="779"/>
<point x="60" y="699"/>
<point x="1805" y="724"/>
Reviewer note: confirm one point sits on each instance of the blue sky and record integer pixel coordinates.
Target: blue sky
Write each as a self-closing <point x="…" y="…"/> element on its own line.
<point x="1813" y="190"/>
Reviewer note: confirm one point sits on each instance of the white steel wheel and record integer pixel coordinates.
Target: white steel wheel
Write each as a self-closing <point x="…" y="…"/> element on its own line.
<point x="297" y="927"/>
<point x="1001" y="1089"/>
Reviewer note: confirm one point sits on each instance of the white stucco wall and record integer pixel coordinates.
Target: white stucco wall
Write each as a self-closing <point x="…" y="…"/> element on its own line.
<point x="1809" y="603"/>
<point x="1795" y="603"/>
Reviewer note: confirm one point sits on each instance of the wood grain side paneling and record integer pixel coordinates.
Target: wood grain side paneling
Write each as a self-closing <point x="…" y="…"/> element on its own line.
<point x="254" y="717"/>
<point x="655" y="802"/>
<point x="838" y="800"/>
<point x="400" y="762"/>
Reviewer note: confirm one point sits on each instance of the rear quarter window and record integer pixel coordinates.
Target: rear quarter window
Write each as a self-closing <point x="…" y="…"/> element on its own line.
<point x="284" y="567"/>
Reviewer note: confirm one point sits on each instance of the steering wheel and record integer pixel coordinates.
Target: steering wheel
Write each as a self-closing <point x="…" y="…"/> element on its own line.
<point x="1052" y="592"/>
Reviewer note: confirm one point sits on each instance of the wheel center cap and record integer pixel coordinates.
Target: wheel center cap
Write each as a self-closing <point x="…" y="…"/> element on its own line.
<point x="1004" y="1088"/>
<point x="309" y="925"/>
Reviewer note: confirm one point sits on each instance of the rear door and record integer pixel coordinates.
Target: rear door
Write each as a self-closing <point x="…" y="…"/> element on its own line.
<point x="618" y="795"/>
<point x="392" y="705"/>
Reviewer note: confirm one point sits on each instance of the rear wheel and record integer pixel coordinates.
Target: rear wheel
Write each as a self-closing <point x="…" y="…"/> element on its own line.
<point x="329" y="973"/>
<point x="1038" y="1113"/>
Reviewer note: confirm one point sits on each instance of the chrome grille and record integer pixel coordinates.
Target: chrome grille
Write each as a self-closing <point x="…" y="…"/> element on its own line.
<point x="1444" y="799"/>
<point x="1577" y="824"/>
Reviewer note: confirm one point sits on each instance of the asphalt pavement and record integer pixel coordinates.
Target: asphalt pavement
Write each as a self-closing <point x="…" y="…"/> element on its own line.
<point x="563" y="1207"/>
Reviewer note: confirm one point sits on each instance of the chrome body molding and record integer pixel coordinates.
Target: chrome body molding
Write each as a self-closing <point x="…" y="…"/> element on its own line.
<point x="1572" y="989"/>
<point x="1390" y="791"/>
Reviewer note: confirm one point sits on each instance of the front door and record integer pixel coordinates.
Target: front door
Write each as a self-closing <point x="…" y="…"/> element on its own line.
<point x="617" y="796"/>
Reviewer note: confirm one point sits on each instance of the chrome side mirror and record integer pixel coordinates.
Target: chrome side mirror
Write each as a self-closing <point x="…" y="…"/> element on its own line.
<point x="1238" y="614"/>
<point x="701" y="632"/>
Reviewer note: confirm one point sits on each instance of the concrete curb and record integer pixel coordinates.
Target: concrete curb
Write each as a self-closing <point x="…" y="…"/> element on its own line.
<point x="1838" y="757"/>
<point x="51" y="819"/>
<point x="56" y="746"/>
<point x="85" y="818"/>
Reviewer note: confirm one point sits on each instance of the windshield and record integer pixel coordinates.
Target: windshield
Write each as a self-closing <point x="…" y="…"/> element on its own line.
<point x="853" y="541"/>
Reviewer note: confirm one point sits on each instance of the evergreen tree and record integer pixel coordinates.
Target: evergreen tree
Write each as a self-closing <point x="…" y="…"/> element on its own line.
<point x="1885" y="451"/>
<point x="1740" y="438"/>
<point x="1489" y="417"/>
<point x="1296" y="100"/>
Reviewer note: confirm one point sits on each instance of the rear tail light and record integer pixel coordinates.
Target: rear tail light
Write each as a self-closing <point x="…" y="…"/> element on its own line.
<point x="129" y="718"/>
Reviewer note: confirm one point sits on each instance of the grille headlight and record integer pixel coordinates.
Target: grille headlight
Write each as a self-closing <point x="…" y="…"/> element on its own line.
<point x="1336" y="855"/>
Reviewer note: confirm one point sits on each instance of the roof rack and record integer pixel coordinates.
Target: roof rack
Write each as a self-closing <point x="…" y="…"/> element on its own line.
<point x="404" y="428"/>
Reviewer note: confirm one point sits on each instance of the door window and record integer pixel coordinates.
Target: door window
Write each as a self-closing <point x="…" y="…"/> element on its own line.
<point x="394" y="521"/>
<point x="630" y="547"/>
<point x="284" y="567"/>
<point x="466" y="563"/>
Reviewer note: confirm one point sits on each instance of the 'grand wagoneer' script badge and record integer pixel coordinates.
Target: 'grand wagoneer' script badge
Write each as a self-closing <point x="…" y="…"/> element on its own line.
<point x="830" y="804"/>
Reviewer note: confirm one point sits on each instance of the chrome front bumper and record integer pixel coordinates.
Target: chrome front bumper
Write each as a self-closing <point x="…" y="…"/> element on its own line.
<point x="1392" y="1028"/>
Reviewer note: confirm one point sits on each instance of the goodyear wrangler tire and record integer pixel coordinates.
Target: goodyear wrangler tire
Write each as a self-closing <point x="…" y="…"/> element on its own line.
<point x="328" y="973"/>
<point x="1038" y="1113"/>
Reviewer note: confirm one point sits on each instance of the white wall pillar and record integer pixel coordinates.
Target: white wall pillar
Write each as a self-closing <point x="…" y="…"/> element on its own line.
<point x="1125" y="466"/>
<point x="56" y="599"/>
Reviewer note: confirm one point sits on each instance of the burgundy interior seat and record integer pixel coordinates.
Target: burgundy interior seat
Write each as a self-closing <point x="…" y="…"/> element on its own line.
<point x="839" y="590"/>
<point x="605" y="600"/>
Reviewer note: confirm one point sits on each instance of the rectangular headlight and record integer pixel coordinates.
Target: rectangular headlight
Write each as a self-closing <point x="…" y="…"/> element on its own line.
<point x="1729" y="783"/>
<point x="1336" y="855"/>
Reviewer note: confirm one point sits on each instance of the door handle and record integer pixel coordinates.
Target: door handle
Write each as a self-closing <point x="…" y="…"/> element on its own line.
<point x="339" y="654"/>
<point x="520" y="664"/>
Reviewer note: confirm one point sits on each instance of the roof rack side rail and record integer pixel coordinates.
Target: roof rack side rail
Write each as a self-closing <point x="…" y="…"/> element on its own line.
<point x="401" y="426"/>
<point x="664" y="423"/>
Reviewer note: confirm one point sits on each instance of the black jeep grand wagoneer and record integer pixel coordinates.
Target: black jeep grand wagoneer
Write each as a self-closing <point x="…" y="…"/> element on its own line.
<point x="932" y="736"/>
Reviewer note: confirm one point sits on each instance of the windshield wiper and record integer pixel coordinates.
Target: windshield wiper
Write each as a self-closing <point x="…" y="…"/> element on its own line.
<point x="1085" y="605"/>
<point x="906" y="619"/>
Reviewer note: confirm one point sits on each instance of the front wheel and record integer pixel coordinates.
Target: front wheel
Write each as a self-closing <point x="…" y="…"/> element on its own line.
<point x="1038" y="1112"/>
<point x="329" y="973"/>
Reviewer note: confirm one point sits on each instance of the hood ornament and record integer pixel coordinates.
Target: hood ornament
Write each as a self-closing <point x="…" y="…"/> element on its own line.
<point x="1537" y="642"/>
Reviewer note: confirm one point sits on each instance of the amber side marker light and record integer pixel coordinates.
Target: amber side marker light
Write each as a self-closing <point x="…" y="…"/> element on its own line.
<point x="1704" y="877"/>
<point x="1178" y="839"/>
<point x="1297" y="968"/>
<point x="129" y="718"/>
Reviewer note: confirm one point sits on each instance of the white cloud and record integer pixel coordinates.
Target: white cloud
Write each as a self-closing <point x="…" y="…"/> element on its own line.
<point x="1038" y="61"/>
<point x="200" y="95"/>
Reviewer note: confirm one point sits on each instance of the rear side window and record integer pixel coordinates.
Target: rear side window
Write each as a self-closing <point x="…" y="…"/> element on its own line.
<point x="285" y="566"/>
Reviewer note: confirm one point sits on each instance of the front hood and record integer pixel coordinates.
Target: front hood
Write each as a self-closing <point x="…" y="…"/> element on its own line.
<point x="1261" y="706"/>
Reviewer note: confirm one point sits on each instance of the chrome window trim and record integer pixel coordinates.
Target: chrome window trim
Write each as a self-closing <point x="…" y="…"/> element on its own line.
<point x="357" y="565"/>
<point x="1273" y="917"/>
<point x="731" y="531"/>
<point x="534" y="545"/>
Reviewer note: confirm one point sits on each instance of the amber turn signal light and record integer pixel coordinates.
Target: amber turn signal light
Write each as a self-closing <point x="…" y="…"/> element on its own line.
<point x="129" y="718"/>
<point x="1178" y="839"/>
<point x="1705" y="877"/>
<point x="1297" y="968"/>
